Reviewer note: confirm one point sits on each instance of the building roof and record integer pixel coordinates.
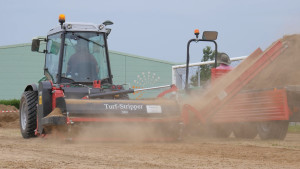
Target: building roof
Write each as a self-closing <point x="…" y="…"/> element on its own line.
<point x="142" y="57"/>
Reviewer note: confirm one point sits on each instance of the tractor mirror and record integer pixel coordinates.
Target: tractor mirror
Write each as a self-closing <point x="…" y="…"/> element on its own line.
<point x="108" y="30"/>
<point x="210" y="35"/>
<point x="35" y="46"/>
<point x="107" y="23"/>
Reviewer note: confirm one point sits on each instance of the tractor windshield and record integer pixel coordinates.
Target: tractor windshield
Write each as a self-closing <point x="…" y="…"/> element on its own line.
<point x="84" y="57"/>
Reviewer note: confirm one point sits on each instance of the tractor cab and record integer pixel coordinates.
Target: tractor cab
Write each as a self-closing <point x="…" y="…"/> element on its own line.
<point x="76" y="53"/>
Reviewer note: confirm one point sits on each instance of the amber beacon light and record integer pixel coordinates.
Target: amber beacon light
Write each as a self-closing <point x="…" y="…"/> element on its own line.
<point x="61" y="19"/>
<point x="196" y="32"/>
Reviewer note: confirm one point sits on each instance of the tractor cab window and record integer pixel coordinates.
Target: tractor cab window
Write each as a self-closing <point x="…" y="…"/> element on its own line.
<point x="52" y="55"/>
<point x="84" y="57"/>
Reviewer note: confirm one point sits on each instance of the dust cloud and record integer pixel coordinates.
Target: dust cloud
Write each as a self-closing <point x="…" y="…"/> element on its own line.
<point x="134" y="130"/>
<point x="284" y="69"/>
<point x="281" y="72"/>
<point x="278" y="74"/>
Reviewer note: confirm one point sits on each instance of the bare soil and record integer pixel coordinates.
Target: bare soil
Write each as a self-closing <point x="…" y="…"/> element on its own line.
<point x="193" y="152"/>
<point x="7" y="107"/>
<point x="9" y="119"/>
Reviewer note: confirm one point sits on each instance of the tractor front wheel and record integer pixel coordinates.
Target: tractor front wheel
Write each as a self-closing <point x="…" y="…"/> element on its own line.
<point x="28" y="113"/>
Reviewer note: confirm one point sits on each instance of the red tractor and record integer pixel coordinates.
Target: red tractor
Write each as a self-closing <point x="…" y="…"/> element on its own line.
<point x="79" y="90"/>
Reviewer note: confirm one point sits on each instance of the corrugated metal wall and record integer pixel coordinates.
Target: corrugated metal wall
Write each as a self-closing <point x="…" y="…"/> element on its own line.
<point x="20" y="67"/>
<point x="136" y="71"/>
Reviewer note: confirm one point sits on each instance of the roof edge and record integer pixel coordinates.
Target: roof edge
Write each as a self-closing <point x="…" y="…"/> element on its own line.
<point x="15" y="46"/>
<point x="143" y="57"/>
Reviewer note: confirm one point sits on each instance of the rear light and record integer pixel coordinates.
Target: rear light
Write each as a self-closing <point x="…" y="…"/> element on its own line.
<point x="113" y="87"/>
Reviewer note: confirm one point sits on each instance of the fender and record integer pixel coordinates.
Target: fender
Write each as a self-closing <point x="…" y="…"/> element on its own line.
<point x="32" y="87"/>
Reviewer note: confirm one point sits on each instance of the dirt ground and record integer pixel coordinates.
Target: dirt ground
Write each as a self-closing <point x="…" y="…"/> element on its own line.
<point x="192" y="152"/>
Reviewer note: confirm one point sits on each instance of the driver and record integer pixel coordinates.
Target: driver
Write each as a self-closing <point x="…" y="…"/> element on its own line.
<point x="224" y="62"/>
<point x="82" y="66"/>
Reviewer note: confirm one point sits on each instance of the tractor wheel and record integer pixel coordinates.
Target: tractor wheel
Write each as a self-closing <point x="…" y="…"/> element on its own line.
<point x="245" y="130"/>
<point x="221" y="130"/>
<point x="28" y="113"/>
<point x="272" y="130"/>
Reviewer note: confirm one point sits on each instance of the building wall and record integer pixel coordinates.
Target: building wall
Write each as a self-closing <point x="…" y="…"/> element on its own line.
<point x="20" y="67"/>
<point x="140" y="72"/>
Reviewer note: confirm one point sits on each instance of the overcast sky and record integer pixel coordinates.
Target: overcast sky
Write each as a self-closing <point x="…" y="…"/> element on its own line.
<point x="158" y="28"/>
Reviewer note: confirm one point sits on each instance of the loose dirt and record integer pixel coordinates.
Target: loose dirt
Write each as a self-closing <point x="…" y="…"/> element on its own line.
<point x="9" y="119"/>
<point x="193" y="152"/>
<point x="283" y="70"/>
<point x="55" y="112"/>
<point x="7" y="107"/>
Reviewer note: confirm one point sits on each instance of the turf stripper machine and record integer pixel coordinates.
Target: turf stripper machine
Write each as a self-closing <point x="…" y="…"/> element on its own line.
<point x="252" y="99"/>
<point x="78" y="89"/>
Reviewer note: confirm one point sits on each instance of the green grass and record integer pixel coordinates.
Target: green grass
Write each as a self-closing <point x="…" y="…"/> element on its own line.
<point x="294" y="128"/>
<point x="13" y="102"/>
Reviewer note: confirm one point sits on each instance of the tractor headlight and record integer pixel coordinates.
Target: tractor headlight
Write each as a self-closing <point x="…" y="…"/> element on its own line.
<point x="101" y="27"/>
<point x="69" y="26"/>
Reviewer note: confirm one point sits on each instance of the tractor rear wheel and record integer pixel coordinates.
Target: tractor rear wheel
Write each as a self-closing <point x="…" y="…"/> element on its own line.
<point x="272" y="130"/>
<point x="245" y="130"/>
<point x="28" y="113"/>
<point x="221" y="130"/>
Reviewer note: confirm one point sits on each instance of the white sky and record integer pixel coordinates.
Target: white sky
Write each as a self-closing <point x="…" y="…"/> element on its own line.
<point x="156" y="28"/>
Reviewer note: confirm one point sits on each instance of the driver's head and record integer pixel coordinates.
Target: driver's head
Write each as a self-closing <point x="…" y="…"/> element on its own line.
<point x="82" y="45"/>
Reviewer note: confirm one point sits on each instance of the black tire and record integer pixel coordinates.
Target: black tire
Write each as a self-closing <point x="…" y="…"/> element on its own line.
<point x="28" y="113"/>
<point x="221" y="130"/>
<point x="272" y="130"/>
<point x="245" y="130"/>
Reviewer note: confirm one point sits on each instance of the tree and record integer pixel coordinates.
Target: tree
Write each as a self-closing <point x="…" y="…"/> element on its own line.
<point x="208" y="55"/>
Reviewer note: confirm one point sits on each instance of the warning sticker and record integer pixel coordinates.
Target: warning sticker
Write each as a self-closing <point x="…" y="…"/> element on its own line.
<point x="153" y="109"/>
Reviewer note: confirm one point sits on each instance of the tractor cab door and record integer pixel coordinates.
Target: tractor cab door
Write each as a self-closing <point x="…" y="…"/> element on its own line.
<point x="52" y="56"/>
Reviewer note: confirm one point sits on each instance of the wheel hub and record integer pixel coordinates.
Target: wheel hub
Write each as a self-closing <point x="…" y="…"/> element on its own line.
<point x="23" y="116"/>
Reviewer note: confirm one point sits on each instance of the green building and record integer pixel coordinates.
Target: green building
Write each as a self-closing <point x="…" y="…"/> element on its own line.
<point x="20" y="67"/>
